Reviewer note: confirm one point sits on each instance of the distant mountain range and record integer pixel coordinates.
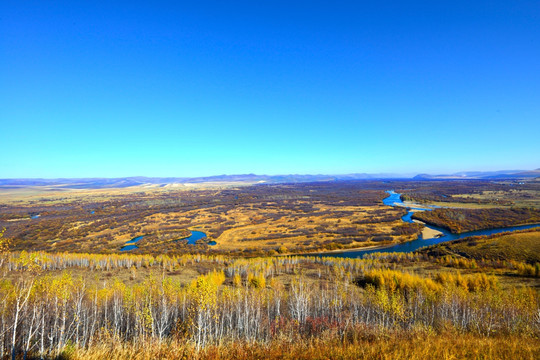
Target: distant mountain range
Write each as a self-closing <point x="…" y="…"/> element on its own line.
<point x="85" y="183"/>
<point x="487" y="175"/>
<point x="95" y="183"/>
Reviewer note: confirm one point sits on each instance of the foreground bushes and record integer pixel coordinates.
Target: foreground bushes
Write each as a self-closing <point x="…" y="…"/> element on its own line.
<point x="248" y="304"/>
<point x="400" y="281"/>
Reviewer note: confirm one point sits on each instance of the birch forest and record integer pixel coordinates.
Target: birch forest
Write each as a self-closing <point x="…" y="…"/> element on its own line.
<point x="86" y="305"/>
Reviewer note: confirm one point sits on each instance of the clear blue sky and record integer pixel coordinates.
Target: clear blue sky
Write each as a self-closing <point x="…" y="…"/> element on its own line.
<point x="270" y="87"/>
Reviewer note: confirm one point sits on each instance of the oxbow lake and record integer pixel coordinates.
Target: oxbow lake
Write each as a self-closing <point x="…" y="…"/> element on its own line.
<point x="191" y="240"/>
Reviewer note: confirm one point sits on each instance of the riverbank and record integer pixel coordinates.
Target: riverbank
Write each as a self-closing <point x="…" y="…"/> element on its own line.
<point x="427" y="232"/>
<point x="343" y="251"/>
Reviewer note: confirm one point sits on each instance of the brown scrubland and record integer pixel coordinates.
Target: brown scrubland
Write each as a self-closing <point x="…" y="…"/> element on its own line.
<point x="251" y="220"/>
<point x="464" y="220"/>
<point x="68" y="293"/>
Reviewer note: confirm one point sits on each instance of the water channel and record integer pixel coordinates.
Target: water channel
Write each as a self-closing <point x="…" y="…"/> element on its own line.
<point x="394" y="199"/>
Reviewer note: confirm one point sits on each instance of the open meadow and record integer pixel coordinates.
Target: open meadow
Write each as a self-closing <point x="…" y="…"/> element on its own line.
<point x="69" y="292"/>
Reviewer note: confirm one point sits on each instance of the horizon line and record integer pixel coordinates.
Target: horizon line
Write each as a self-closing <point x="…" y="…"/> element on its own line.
<point x="386" y="174"/>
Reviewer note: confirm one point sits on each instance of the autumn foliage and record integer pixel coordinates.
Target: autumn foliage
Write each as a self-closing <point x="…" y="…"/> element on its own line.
<point x="246" y="304"/>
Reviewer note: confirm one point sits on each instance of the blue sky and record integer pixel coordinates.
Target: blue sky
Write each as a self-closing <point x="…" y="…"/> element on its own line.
<point x="159" y="88"/>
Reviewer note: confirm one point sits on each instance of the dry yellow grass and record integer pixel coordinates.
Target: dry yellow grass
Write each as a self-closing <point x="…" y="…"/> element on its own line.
<point x="256" y="228"/>
<point x="253" y="227"/>
<point x="392" y="346"/>
<point x="519" y="246"/>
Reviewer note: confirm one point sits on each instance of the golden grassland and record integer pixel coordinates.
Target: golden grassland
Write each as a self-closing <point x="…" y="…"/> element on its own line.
<point x="258" y="222"/>
<point x="394" y="346"/>
<point x="57" y="194"/>
<point x="264" y="229"/>
<point x="256" y="228"/>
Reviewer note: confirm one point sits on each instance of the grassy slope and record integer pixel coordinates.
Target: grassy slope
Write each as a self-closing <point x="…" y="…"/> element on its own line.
<point x="518" y="246"/>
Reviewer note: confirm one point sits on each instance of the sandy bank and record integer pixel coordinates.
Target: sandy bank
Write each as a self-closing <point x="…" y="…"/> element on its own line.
<point x="428" y="233"/>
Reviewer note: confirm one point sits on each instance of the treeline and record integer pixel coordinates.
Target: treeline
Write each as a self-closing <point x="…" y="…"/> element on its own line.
<point x="456" y="261"/>
<point x="394" y="280"/>
<point x="521" y="268"/>
<point x="464" y="220"/>
<point x="246" y="302"/>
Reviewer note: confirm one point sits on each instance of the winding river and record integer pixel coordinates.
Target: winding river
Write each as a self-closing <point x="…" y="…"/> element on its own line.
<point x="394" y="199"/>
